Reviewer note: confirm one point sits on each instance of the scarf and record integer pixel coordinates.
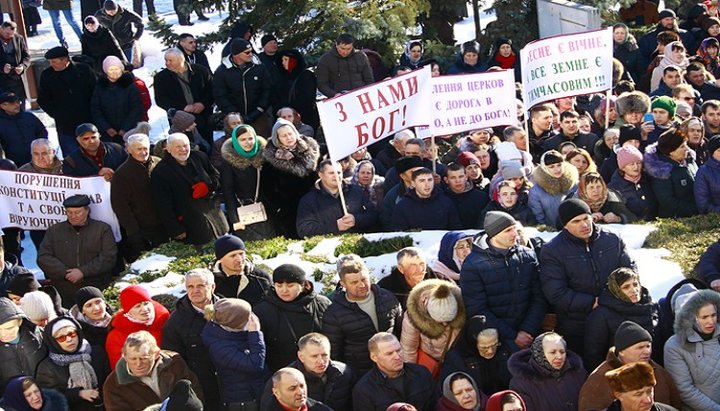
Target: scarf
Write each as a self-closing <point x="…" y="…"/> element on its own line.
<point x="506" y="62"/>
<point x="633" y="180"/>
<point x="236" y="144"/>
<point x="596" y="205"/>
<point x="283" y="153"/>
<point x="98" y="157"/>
<point x="538" y="357"/>
<point x="82" y="374"/>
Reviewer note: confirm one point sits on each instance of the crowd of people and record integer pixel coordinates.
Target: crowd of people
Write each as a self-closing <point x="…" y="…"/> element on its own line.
<point x="467" y="330"/>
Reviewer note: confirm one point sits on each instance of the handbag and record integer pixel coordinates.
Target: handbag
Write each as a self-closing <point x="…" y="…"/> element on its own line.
<point x="252" y="213"/>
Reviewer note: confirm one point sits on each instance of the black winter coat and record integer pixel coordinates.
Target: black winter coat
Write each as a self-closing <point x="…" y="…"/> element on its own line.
<point x="434" y="213"/>
<point x="23" y="357"/>
<point x="348" y="327"/>
<point x="125" y="25"/>
<point x="318" y="211"/>
<point x="672" y="183"/>
<point x="469" y="205"/>
<point x="639" y="198"/>
<point x="182" y="334"/>
<point x="116" y="105"/>
<point x="96" y="335"/>
<point x="374" y="393"/>
<point x="77" y="164"/>
<point x="520" y="211"/>
<point x="16" y="134"/>
<point x="65" y="95"/>
<point x="100" y="44"/>
<point x="8" y="272"/>
<point x="505" y="289"/>
<point x="574" y="273"/>
<point x="604" y="320"/>
<point x="657" y="406"/>
<point x="201" y="219"/>
<point x="52" y="401"/>
<point x="169" y="94"/>
<point x="244" y="89"/>
<point x="259" y="283"/>
<point x="298" y="88"/>
<point x="582" y="140"/>
<point x="396" y="284"/>
<point x="13" y="82"/>
<point x="491" y="375"/>
<point x="285" y="322"/>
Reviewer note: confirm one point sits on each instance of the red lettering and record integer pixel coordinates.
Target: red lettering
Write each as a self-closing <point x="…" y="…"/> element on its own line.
<point x="365" y="103"/>
<point x="362" y="135"/>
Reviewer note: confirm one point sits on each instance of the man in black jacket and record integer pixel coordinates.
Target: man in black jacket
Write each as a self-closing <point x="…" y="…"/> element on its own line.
<point x="188" y="45"/>
<point x="410" y="270"/>
<point x="235" y="276"/>
<point x="357" y="313"/>
<point x="181" y="332"/>
<point x="391" y="380"/>
<point x="125" y="25"/>
<point x="570" y="131"/>
<point x="93" y="157"/>
<point x="290" y="393"/>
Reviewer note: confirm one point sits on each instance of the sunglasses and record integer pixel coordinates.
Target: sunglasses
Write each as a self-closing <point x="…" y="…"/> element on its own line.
<point x="63" y="338"/>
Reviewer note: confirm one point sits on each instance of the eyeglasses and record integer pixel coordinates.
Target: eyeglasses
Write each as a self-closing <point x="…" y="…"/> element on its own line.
<point x="63" y="338"/>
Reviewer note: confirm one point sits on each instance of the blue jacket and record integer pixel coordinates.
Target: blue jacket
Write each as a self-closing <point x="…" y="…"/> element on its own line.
<point x="505" y="289"/>
<point x="574" y="273"/>
<point x="708" y="268"/>
<point x="672" y="183"/>
<point x="707" y="187"/>
<point x="545" y="196"/>
<point x="239" y="358"/>
<point x="77" y="164"/>
<point x="318" y="211"/>
<point x="375" y="393"/>
<point x="469" y="204"/>
<point x="16" y="134"/>
<point x="434" y="213"/>
<point x="460" y="67"/>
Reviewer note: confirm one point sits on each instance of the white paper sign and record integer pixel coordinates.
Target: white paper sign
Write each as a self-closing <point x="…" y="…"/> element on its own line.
<point x="33" y="201"/>
<point x="361" y="117"/>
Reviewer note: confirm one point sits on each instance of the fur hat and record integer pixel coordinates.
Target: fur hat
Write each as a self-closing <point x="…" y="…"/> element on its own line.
<point x="496" y="221"/>
<point x="86" y="294"/>
<point x="226" y="244"/>
<point x="442" y="305"/>
<point x="404" y="164"/>
<point x="132" y="295"/>
<point x="666" y="103"/>
<point x="23" y="283"/>
<point x="669" y="141"/>
<point x="289" y="273"/>
<point x="631" y="377"/>
<point x="627" y="155"/>
<point x="233" y="313"/>
<point x="572" y="208"/>
<point x="37" y="306"/>
<point x="634" y="101"/>
<point x="629" y="334"/>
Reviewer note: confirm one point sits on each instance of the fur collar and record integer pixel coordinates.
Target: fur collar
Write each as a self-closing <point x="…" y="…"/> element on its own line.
<point x="685" y="319"/>
<point x="124" y="376"/>
<point x="304" y="162"/>
<point x="237" y="161"/>
<point x="556" y="186"/>
<point x="521" y="365"/>
<point x="418" y="315"/>
<point x="124" y="81"/>
<point x="660" y="166"/>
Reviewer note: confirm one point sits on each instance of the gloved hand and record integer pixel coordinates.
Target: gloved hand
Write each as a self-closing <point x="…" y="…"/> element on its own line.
<point x="200" y="190"/>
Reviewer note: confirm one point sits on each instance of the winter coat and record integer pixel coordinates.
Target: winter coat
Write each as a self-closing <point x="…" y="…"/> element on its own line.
<point x="693" y="362"/>
<point x="334" y="389"/>
<point x="520" y="212"/>
<point x="581" y="140"/>
<point x="10" y="269"/>
<point x="291" y="179"/>
<point x="182" y="333"/>
<point x="13" y="82"/>
<point x="239" y="358"/>
<point x="239" y="179"/>
<point x="100" y="44"/>
<point x="494" y="61"/>
<point x="708" y="268"/>
<point x="336" y="74"/>
<point x="672" y="183"/>
<point x="243" y="89"/>
<point x="707" y="187"/>
<point x="169" y="93"/>
<point x="469" y="204"/>
<point x="396" y="284"/>
<point x="23" y="357"/>
<point x="201" y="219"/>
<point x="460" y="67"/>
<point x="318" y="211"/>
<point x="545" y="196"/>
<point x="374" y="393"/>
<point x="124" y="392"/>
<point x="55" y="168"/>
<point x="65" y="96"/>
<point x="629" y="55"/>
<point x="91" y="249"/>
<point x="311" y="405"/>
<point x="116" y="105"/>
<point x="614" y="204"/>
<point x="539" y="389"/>
<point x="17" y="132"/>
<point x="639" y="198"/>
<point x="574" y="273"/>
<point x="96" y="335"/>
<point x="434" y="213"/>
<point x="349" y="328"/>
<point x="285" y="322"/>
<point x="197" y="57"/>
<point x="596" y="393"/>
<point x="121" y="327"/>
<point x="78" y="164"/>
<point x="57" y="5"/>
<point x="126" y="25"/>
<point x="52" y="401"/>
<point x="255" y="283"/>
<point x="420" y="332"/>
<point x="447" y="265"/>
<point x="505" y="289"/>
<point x="657" y="406"/>
<point x="298" y="89"/>
<point x="604" y="320"/>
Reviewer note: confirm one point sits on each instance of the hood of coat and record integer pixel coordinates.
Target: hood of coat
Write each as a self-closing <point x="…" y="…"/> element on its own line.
<point x="304" y="159"/>
<point x="52" y="344"/>
<point x="494" y="402"/>
<point x="417" y="310"/>
<point x="9" y="311"/>
<point x="302" y="304"/>
<point x="236" y="160"/>
<point x="446" y="255"/>
<point x="300" y="65"/>
<point x="556" y="185"/>
<point x="127" y="79"/>
<point x="643" y="307"/>
<point x="522" y="365"/>
<point x="660" y="166"/>
<point x="685" y="320"/>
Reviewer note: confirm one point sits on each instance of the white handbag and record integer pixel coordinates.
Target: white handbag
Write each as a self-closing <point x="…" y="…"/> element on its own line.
<point x="252" y="213"/>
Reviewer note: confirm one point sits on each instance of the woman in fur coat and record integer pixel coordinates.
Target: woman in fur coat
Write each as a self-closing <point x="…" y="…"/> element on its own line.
<point x="555" y="180"/>
<point x="291" y="162"/>
<point x="434" y="318"/>
<point x="23" y="394"/>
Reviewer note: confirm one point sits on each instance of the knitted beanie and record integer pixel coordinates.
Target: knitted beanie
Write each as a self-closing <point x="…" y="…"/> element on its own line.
<point x="229" y="312"/>
<point x="289" y="273"/>
<point x="496" y="221"/>
<point x="507" y="151"/>
<point x="182" y="120"/>
<point x="37" y="306"/>
<point x="132" y="295"/>
<point x="23" y="283"/>
<point x="712" y="145"/>
<point x="666" y="103"/>
<point x="267" y="39"/>
<point x="629" y="334"/>
<point x="86" y="294"/>
<point x="240" y="45"/>
<point x="112" y="61"/>
<point x="226" y="244"/>
<point x="466" y="158"/>
<point x="511" y="169"/>
<point x="627" y="155"/>
<point x="572" y="208"/>
<point x="628" y="132"/>
<point x="442" y="305"/>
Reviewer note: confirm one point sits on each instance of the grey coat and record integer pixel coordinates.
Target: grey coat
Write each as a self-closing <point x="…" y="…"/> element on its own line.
<point x="693" y="363"/>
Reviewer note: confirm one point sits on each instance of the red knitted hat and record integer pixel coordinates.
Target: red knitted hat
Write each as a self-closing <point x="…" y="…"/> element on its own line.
<point x="132" y="295"/>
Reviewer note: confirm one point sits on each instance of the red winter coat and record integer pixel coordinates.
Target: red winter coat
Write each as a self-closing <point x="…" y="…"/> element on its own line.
<point x="121" y="327"/>
<point x="144" y="97"/>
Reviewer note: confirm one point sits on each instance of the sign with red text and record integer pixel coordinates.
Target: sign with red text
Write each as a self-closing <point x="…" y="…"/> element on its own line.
<point x="565" y="66"/>
<point x="471" y="101"/>
<point x="33" y="201"/>
<point x="361" y="117"/>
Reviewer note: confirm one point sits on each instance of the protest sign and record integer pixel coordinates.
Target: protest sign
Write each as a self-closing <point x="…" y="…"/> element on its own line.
<point x="565" y="66"/>
<point x="33" y="201"/>
<point x="361" y="117"/>
<point x="471" y="101"/>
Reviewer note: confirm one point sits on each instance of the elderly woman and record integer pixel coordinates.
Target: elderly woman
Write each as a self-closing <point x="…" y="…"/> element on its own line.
<point x="72" y="366"/>
<point x="244" y="181"/>
<point x="291" y="115"/>
<point x="694" y="129"/>
<point x="554" y="180"/>
<point x="671" y="165"/>
<point x="547" y="375"/>
<point x="622" y="299"/>
<point x="38" y="307"/>
<point x="454" y="247"/>
<point x="507" y="400"/>
<point x="582" y="160"/>
<point x="606" y="205"/>
<point x="434" y="318"/>
<point x="459" y="393"/>
<point x="291" y="161"/>
<point x="692" y="355"/>
<point x="626" y="50"/>
<point x="230" y="122"/>
<point x="116" y="105"/>
<point x="633" y="185"/>
<point x="24" y="394"/>
<point x="604" y="147"/>
<point x="366" y="178"/>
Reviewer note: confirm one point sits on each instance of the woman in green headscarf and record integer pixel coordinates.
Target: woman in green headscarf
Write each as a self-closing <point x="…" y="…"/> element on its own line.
<point x="244" y="181"/>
